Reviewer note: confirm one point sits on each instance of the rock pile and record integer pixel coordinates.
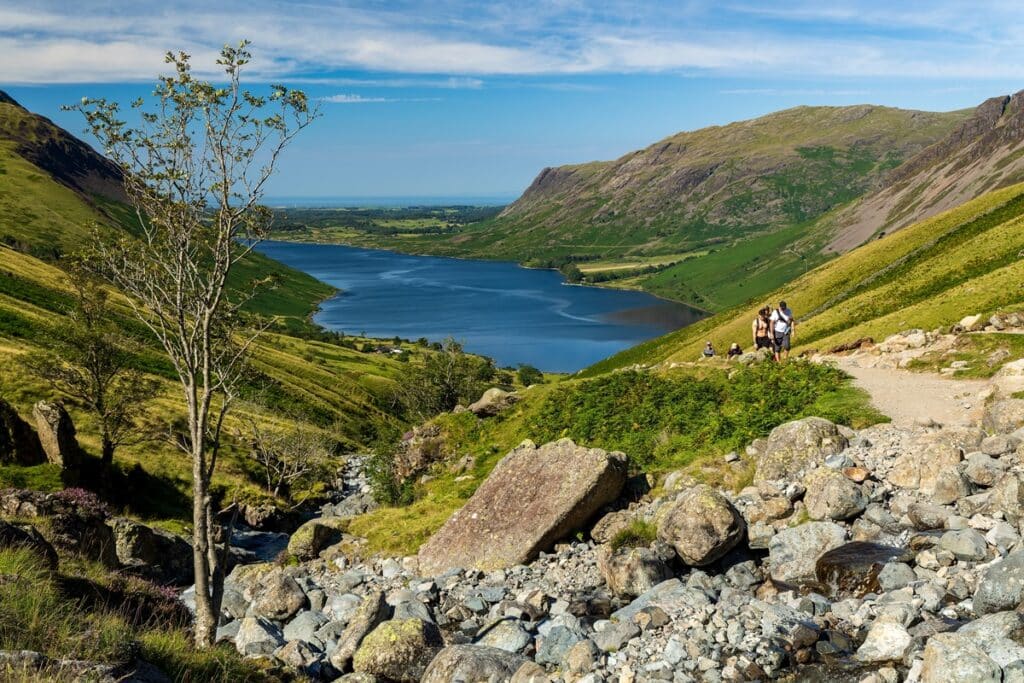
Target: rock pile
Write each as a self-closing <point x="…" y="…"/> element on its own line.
<point x="884" y="554"/>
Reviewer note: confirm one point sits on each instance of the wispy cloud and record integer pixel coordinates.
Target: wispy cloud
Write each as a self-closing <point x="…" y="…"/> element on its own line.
<point x="352" y="98"/>
<point x="455" y="45"/>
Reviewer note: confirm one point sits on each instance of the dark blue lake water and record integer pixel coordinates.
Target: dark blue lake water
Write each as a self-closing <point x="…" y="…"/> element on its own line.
<point x="512" y="314"/>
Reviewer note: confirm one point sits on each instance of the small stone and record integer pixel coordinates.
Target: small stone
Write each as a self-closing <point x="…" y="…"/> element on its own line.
<point x="965" y="544"/>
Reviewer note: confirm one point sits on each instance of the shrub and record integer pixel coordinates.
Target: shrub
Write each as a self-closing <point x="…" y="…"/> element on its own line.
<point x="529" y="375"/>
<point x="639" y="534"/>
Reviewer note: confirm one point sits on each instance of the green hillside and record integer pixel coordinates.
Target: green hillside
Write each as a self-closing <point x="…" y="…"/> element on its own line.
<point x="933" y="273"/>
<point x="51" y="210"/>
<point x="712" y="217"/>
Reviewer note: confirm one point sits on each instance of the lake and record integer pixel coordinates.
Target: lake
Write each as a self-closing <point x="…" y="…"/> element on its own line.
<point x="512" y="314"/>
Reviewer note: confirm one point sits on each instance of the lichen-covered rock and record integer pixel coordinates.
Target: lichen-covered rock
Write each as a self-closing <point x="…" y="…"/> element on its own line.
<point x="1009" y="379"/>
<point x="933" y="456"/>
<point x="279" y="597"/>
<point x="794" y="552"/>
<point x="371" y="612"/>
<point x="797" y="446"/>
<point x="887" y="641"/>
<point x="954" y="657"/>
<point x="609" y="525"/>
<point x="533" y="498"/>
<point x="702" y="525"/>
<point x="472" y="663"/>
<point x="312" y="537"/>
<point x="1001" y="586"/>
<point x="1005" y="416"/>
<point x="154" y="552"/>
<point x="257" y="637"/>
<point x="630" y="572"/>
<point x="57" y="435"/>
<point x="399" y="650"/>
<point x="830" y="495"/>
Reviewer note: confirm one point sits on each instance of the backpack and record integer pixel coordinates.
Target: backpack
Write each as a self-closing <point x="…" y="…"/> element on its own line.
<point x="787" y="319"/>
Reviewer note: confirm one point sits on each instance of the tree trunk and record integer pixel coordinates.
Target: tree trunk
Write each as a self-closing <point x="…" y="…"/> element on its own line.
<point x="108" y="454"/>
<point x="206" y="616"/>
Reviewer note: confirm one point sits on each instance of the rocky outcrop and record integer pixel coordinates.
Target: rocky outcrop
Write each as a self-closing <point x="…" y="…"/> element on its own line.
<point x="797" y="446"/>
<point x="19" y="444"/>
<point x="27" y="536"/>
<point x="153" y="552"/>
<point x="534" y="497"/>
<point x="312" y="537"/>
<point x="1004" y="416"/>
<point x="57" y="435"/>
<point x="493" y="401"/>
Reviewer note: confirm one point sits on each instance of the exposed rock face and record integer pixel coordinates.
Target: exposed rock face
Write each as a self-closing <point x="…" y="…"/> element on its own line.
<point x="797" y="446"/>
<point x="533" y="497"/>
<point x="702" y="525"/>
<point x="472" y="663"/>
<point x="57" y="435"/>
<point x="19" y="444"/>
<point x="493" y="401"/>
<point x="399" y="650"/>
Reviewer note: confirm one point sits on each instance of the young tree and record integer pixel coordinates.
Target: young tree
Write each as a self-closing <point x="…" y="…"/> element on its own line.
<point x="445" y="378"/>
<point x="286" y="456"/>
<point x="196" y="165"/>
<point x="88" y="359"/>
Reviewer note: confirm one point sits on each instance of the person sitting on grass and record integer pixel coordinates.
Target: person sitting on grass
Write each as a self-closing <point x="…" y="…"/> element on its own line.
<point x="735" y="350"/>
<point x="783" y="325"/>
<point x="709" y="350"/>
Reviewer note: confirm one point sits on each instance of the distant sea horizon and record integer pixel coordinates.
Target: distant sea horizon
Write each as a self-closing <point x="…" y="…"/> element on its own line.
<point x="369" y="202"/>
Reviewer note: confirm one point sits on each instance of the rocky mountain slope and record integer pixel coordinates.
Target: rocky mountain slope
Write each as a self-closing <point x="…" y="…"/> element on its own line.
<point x="982" y="153"/>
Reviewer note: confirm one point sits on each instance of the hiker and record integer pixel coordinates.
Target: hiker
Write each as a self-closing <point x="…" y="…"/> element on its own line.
<point x="735" y="350"/>
<point x="762" y="329"/>
<point x="782" y="324"/>
<point x="709" y="350"/>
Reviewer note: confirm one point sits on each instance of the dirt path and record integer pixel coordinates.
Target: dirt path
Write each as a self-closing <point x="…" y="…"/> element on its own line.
<point x="909" y="397"/>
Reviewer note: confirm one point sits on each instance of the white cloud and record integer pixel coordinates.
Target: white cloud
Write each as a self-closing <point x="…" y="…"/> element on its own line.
<point x="453" y="45"/>
<point x="352" y="98"/>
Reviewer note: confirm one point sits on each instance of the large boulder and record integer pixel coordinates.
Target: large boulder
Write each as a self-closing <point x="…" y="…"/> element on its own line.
<point x="278" y="596"/>
<point x="371" y="612"/>
<point x="154" y="552"/>
<point x="472" y="664"/>
<point x="630" y="572"/>
<point x="492" y="402"/>
<point x="793" y="553"/>
<point x="19" y="444"/>
<point x="315" y="535"/>
<point x="1008" y="380"/>
<point x="257" y="637"/>
<point x="702" y="525"/>
<point x="1001" y="586"/>
<point x="955" y="657"/>
<point x="399" y="650"/>
<point x="533" y="498"/>
<point x="1005" y="416"/>
<point x="797" y="446"/>
<point x="830" y="495"/>
<point x="57" y="435"/>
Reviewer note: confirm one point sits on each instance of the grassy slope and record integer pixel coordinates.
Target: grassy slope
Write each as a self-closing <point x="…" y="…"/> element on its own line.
<point x="933" y="273"/>
<point x="326" y="382"/>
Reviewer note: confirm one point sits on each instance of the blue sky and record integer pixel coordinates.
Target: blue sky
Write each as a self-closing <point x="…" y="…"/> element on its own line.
<point x="448" y="98"/>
